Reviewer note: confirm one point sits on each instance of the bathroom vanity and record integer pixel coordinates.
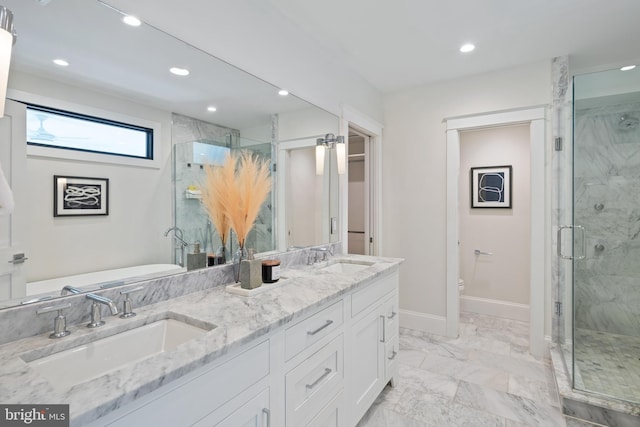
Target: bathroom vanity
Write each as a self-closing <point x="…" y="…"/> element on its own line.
<point x="314" y="351"/>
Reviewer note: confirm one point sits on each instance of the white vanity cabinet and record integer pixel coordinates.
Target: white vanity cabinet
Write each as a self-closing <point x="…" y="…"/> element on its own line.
<point x="324" y="370"/>
<point x="220" y="394"/>
<point x="372" y="341"/>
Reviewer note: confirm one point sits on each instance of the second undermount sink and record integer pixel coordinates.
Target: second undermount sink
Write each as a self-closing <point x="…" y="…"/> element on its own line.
<point x="91" y="360"/>
<point x="346" y="266"/>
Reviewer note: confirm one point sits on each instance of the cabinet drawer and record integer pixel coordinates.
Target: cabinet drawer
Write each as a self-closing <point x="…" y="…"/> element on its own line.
<point x="391" y="317"/>
<point x="391" y="350"/>
<point x="312" y="329"/>
<point x="367" y="296"/>
<point x="313" y="383"/>
<point x="202" y="395"/>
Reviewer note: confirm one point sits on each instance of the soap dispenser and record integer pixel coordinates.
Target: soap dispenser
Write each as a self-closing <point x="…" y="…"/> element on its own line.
<point x="196" y="259"/>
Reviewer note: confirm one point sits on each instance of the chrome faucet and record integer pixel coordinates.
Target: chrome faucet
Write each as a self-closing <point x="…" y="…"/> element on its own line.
<point x="178" y="236"/>
<point x="60" y="321"/>
<point x="324" y="250"/>
<point x="68" y="289"/>
<point x="96" y="316"/>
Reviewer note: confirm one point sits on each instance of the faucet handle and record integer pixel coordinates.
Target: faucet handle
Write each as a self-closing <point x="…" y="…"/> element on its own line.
<point x="127" y="310"/>
<point x="59" y="322"/>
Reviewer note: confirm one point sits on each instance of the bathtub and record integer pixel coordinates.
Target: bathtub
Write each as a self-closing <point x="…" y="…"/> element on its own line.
<point x="104" y="278"/>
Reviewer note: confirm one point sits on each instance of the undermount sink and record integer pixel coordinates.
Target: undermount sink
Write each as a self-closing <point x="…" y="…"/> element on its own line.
<point x="91" y="360"/>
<point x="346" y="266"/>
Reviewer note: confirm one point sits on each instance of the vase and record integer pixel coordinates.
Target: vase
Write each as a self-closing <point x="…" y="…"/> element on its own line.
<point x="240" y="254"/>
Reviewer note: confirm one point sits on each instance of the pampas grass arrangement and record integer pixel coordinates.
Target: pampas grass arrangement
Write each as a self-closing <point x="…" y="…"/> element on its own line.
<point x="216" y="195"/>
<point x="234" y="192"/>
<point x="251" y="186"/>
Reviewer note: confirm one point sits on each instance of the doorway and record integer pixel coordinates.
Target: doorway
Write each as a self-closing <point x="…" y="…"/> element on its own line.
<point x="539" y="272"/>
<point x="494" y="248"/>
<point x="358" y="220"/>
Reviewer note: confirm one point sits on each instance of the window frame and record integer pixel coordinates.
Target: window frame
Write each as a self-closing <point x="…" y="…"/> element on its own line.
<point x="84" y="109"/>
<point x="149" y="140"/>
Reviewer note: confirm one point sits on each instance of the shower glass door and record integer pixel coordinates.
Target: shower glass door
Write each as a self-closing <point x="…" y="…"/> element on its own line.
<point x="606" y="202"/>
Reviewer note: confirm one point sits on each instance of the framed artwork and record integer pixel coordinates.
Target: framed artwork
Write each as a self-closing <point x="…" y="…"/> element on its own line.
<point x="491" y="187"/>
<point x="79" y="196"/>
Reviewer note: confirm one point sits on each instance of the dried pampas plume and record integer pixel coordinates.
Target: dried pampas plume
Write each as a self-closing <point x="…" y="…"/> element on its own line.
<point x="216" y="194"/>
<point x="236" y="191"/>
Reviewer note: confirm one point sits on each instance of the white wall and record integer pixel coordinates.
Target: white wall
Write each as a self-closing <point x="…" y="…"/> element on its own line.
<point x="140" y="206"/>
<point x="504" y="275"/>
<point x="414" y="170"/>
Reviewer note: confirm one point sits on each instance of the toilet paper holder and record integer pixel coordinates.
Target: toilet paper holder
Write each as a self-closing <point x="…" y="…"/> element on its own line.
<point x="479" y="252"/>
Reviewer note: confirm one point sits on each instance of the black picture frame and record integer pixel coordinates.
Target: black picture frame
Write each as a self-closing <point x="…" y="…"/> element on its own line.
<point x="491" y="187"/>
<point x="80" y="196"/>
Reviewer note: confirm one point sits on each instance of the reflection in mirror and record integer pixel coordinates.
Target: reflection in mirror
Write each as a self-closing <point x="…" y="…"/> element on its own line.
<point x="121" y="73"/>
<point x="192" y="151"/>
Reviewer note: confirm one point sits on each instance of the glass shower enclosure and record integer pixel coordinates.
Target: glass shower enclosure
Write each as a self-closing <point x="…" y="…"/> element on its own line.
<point x="604" y="346"/>
<point x="190" y="159"/>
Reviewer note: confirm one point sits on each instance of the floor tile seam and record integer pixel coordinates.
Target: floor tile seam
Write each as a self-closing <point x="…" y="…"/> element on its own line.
<point x="510" y="396"/>
<point x="450" y="403"/>
<point x="552" y="401"/>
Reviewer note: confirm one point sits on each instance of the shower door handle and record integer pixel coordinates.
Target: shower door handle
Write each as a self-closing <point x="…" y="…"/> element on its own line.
<point x="584" y="242"/>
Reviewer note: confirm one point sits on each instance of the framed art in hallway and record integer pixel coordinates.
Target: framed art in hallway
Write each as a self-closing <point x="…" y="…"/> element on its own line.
<point x="491" y="187"/>
<point x="79" y="196"/>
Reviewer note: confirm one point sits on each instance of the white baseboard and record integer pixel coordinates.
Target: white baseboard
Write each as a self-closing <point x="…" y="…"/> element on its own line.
<point x="508" y="310"/>
<point x="423" y="322"/>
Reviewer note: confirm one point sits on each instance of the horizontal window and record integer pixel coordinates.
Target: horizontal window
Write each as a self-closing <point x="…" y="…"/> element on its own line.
<point x="49" y="127"/>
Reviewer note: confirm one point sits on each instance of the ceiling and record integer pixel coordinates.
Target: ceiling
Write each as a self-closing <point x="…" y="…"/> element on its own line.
<point x="133" y="63"/>
<point x="403" y="43"/>
<point x="391" y="44"/>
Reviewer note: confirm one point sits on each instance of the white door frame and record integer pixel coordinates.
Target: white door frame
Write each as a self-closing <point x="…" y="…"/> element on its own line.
<point x="13" y="277"/>
<point x="354" y="118"/>
<point x="535" y="117"/>
<point x="282" y="223"/>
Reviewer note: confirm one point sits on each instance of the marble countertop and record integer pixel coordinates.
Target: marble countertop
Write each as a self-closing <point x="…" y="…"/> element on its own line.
<point x="239" y="320"/>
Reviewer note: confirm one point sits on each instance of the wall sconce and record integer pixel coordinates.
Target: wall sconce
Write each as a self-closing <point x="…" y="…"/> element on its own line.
<point x="7" y="40"/>
<point x="328" y="142"/>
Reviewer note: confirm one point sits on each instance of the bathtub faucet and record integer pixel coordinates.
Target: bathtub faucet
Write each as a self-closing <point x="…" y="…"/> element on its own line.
<point x="68" y="289"/>
<point x="178" y="236"/>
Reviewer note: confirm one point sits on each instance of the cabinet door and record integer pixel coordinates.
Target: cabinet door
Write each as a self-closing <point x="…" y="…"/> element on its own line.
<point x="367" y="361"/>
<point x="254" y="413"/>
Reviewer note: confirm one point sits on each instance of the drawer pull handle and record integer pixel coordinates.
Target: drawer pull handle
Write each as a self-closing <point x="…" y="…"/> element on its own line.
<point x="268" y="414"/>
<point x="393" y="356"/>
<point x="393" y="314"/>
<point x="327" y="371"/>
<point x="384" y="330"/>
<point x="329" y="322"/>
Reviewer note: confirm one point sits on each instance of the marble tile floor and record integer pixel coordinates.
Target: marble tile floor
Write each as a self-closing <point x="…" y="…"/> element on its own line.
<point x="485" y="377"/>
<point x="608" y="364"/>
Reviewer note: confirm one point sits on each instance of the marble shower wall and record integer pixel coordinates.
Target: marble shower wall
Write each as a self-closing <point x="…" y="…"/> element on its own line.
<point x="189" y="213"/>
<point x="607" y="204"/>
<point x="190" y="216"/>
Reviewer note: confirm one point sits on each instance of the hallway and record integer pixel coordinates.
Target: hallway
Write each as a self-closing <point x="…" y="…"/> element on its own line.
<point x="486" y="377"/>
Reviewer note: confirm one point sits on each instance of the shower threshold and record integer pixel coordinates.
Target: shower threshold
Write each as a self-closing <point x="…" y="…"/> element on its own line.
<point x="587" y="406"/>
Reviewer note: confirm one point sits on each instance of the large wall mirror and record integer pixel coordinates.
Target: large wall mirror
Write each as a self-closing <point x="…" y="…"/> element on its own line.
<point x="121" y="73"/>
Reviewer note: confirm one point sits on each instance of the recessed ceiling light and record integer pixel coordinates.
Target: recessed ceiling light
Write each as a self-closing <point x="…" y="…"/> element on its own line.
<point x="627" y="68"/>
<point x="179" y="71"/>
<point x="283" y="92"/>
<point x="212" y="109"/>
<point x="61" y="62"/>
<point x="131" y="20"/>
<point x="466" y="48"/>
